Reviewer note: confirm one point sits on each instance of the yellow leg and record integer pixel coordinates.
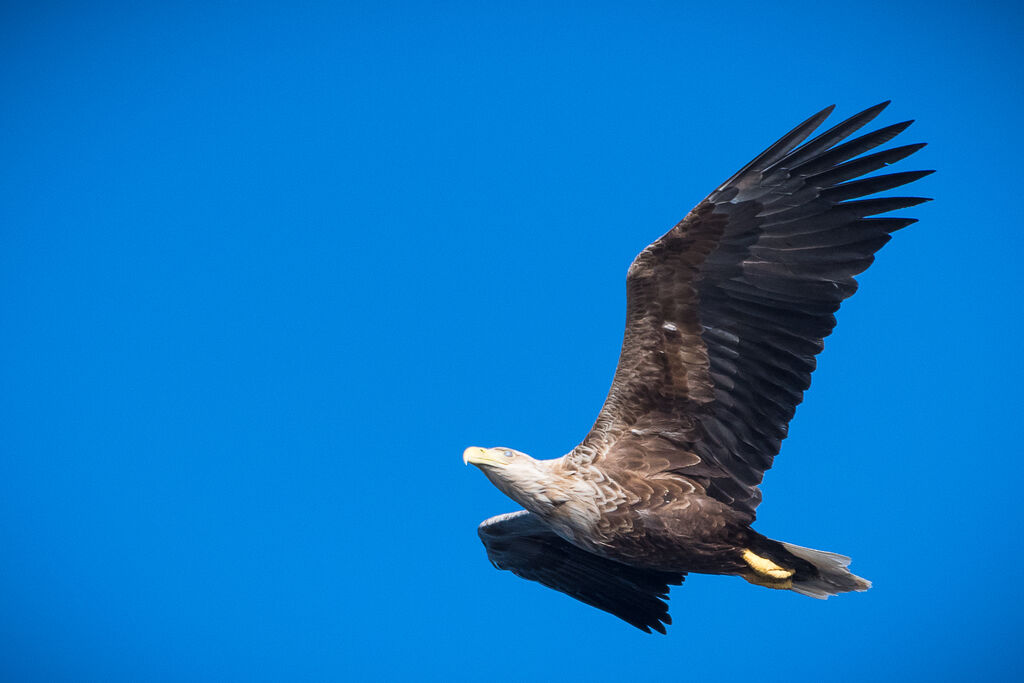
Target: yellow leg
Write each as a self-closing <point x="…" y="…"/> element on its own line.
<point x="758" y="580"/>
<point x="765" y="568"/>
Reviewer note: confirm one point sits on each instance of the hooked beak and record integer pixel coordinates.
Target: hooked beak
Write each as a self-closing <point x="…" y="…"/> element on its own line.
<point x="474" y="455"/>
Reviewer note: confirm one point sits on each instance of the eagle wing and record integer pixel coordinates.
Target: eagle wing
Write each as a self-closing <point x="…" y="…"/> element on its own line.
<point x="727" y="311"/>
<point x="523" y="544"/>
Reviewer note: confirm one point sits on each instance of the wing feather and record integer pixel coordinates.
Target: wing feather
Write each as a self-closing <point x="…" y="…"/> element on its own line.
<point x="521" y="543"/>
<point x="727" y="312"/>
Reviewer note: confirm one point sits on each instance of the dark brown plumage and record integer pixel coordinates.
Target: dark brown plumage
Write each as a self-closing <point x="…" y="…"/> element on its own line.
<point x="726" y="314"/>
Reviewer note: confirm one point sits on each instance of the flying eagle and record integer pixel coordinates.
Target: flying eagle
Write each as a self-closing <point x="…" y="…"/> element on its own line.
<point x="725" y="315"/>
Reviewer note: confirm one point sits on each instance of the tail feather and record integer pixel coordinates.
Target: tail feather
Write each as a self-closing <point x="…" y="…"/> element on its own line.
<point x="832" y="576"/>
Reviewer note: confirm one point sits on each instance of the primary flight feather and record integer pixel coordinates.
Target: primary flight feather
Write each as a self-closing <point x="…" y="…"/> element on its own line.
<point x="725" y="316"/>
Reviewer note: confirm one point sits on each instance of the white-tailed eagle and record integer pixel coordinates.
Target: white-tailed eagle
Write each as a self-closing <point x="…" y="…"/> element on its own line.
<point x="725" y="315"/>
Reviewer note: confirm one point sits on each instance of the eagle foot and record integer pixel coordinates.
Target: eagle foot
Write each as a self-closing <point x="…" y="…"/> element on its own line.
<point x="760" y="580"/>
<point x="765" y="568"/>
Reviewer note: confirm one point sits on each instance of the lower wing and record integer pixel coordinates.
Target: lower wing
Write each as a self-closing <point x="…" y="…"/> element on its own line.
<point x="523" y="544"/>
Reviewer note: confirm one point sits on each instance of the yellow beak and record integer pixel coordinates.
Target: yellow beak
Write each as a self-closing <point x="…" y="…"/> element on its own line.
<point x="474" y="455"/>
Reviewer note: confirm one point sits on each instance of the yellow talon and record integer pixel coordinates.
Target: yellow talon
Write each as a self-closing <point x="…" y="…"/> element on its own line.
<point x="766" y="568"/>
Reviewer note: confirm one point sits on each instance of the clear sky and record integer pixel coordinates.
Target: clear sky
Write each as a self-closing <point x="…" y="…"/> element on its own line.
<point x="266" y="271"/>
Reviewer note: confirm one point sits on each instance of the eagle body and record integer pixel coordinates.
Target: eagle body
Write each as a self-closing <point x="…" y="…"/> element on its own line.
<point x="661" y="522"/>
<point x="726" y="314"/>
<point x="665" y="522"/>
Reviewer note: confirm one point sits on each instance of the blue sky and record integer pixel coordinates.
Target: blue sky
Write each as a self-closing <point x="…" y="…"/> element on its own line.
<point x="266" y="271"/>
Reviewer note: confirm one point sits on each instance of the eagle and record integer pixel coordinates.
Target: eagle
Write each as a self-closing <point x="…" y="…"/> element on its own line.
<point x="725" y="316"/>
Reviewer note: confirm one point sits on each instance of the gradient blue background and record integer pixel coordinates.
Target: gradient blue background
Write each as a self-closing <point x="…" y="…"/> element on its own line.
<point x="266" y="272"/>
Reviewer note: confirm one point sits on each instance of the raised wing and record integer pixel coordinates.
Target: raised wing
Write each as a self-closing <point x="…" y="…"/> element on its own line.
<point x="727" y="311"/>
<point x="521" y="543"/>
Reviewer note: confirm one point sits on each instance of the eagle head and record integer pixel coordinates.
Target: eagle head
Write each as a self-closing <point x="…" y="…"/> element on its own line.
<point x="528" y="481"/>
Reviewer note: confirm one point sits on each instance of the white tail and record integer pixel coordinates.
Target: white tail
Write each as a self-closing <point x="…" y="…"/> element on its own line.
<point x="833" y="576"/>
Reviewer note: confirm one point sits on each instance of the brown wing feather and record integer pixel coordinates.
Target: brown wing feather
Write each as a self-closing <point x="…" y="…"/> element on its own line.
<point x="523" y="544"/>
<point x="727" y="311"/>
